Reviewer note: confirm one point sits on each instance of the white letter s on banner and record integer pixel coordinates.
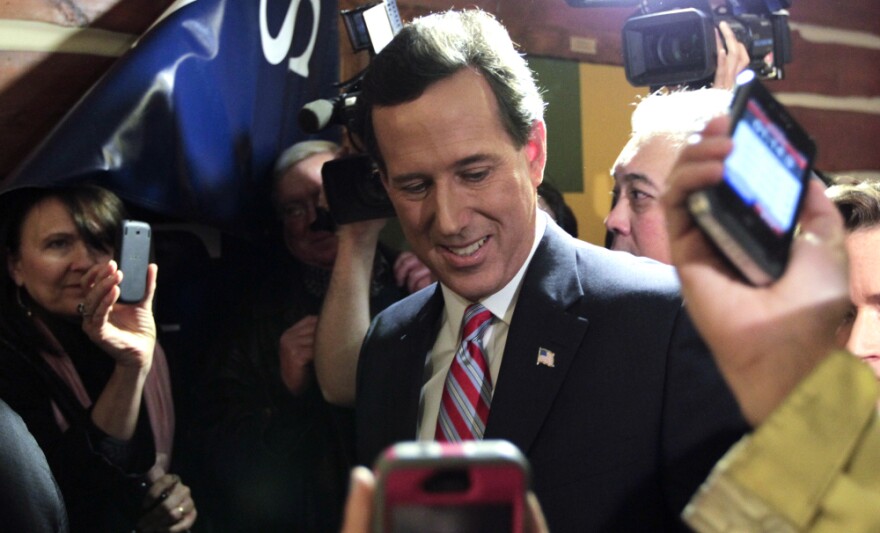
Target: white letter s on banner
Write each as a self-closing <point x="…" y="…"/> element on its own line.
<point x="275" y="49"/>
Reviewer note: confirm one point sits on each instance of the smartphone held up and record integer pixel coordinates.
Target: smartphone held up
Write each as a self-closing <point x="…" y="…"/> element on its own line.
<point x="133" y="257"/>
<point x="751" y="216"/>
<point x="465" y="487"/>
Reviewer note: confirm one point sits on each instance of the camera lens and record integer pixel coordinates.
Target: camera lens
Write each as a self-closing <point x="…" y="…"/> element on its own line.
<point x="371" y="191"/>
<point x="680" y="48"/>
<point x="669" y="48"/>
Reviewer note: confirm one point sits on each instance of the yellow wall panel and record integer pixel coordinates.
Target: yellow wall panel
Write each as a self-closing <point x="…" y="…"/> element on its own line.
<point x="606" y="105"/>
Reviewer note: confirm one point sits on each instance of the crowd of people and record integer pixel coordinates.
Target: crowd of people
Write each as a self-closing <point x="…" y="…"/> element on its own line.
<point x="649" y="395"/>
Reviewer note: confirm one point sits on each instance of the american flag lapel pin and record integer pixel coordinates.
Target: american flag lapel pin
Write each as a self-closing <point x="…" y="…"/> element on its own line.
<point x="546" y="357"/>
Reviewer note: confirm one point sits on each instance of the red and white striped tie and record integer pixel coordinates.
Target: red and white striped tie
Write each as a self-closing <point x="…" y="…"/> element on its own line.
<point x="467" y="394"/>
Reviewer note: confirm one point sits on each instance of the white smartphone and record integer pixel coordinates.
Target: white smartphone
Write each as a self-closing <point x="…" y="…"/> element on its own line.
<point x="133" y="257"/>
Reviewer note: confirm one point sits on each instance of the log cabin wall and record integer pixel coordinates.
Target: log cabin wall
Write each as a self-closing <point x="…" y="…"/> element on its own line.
<point x="52" y="51"/>
<point x="832" y="86"/>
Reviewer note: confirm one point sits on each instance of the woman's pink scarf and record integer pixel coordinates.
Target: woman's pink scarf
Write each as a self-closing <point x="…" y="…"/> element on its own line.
<point x="157" y="397"/>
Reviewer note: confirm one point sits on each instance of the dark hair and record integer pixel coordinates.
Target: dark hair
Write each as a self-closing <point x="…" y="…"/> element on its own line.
<point x="435" y="47"/>
<point x="561" y="212"/>
<point x="858" y="202"/>
<point x="96" y="213"/>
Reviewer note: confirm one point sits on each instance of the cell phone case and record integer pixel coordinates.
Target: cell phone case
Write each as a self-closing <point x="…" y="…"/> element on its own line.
<point x="473" y="485"/>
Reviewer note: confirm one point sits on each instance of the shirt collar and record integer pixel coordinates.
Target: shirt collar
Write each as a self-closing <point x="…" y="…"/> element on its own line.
<point x="501" y="304"/>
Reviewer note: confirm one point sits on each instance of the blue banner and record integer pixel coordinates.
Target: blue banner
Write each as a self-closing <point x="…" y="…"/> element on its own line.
<point x="189" y="122"/>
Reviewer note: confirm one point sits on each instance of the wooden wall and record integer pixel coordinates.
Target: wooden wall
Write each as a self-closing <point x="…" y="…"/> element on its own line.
<point x="833" y="85"/>
<point x="51" y="51"/>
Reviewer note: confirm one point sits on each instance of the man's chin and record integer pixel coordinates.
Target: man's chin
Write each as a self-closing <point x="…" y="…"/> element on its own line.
<point x="472" y="287"/>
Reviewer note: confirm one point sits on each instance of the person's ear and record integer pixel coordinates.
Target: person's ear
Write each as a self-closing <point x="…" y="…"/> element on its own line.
<point x="13" y="266"/>
<point x="536" y="151"/>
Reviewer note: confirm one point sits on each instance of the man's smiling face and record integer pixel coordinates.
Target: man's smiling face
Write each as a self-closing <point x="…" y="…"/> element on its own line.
<point x="464" y="193"/>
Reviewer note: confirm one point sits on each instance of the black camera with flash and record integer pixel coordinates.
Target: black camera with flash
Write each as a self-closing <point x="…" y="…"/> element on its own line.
<point x="352" y="185"/>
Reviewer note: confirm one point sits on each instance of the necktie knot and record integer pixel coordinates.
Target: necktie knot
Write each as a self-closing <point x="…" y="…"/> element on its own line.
<point x="476" y="320"/>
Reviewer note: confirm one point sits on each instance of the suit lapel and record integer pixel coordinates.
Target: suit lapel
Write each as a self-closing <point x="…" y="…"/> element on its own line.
<point x="416" y="344"/>
<point x="526" y="390"/>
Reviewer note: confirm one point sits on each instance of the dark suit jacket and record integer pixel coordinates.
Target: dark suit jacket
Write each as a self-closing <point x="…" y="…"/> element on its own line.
<point x="621" y="432"/>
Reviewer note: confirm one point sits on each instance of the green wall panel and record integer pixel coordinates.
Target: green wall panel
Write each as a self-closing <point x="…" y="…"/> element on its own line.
<point x="561" y="84"/>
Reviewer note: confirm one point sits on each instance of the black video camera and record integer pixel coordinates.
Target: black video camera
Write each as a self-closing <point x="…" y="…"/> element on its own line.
<point x="352" y="185"/>
<point x="354" y="190"/>
<point x="672" y="42"/>
<point x="369" y="27"/>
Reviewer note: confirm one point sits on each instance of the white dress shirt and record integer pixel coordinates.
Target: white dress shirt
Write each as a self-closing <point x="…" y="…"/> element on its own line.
<point x="439" y="359"/>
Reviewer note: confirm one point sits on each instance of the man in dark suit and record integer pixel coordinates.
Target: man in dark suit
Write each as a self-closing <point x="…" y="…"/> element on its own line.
<point x="592" y="366"/>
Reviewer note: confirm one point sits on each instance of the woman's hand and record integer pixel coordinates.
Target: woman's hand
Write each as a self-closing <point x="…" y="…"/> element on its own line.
<point x="168" y="506"/>
<point x="127" y="332"/>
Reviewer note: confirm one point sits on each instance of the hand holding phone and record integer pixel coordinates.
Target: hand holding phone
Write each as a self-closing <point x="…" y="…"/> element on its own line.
<point x="765" y="340"/>
<point x="464" y="487"/>
<point x="751" y="214"/>
<point x="133" y="256"/>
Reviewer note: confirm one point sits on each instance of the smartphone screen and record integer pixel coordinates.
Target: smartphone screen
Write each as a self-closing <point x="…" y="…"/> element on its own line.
<point x="752" y="214"/>
<point x="765" y="169"/>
